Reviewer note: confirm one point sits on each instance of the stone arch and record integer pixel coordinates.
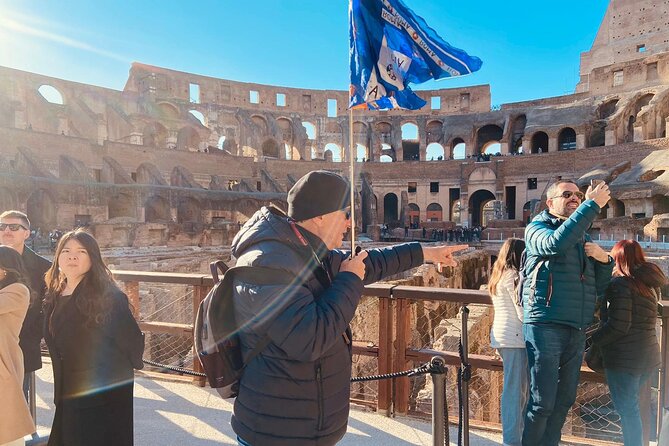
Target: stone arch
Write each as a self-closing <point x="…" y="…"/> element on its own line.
<point x="487" y="134"/>
<point x="517" y="134"/>
<point x="7" y="199"/>
<point x="168" y="111"/>
<point x="617" y="208"/>
<point x="310" y="128"/>
<point x="336" y="153"/>
<point x="122" y="205"/>
<point x="477" y="202"/>
<point x="458" y="149"/>
<point x="188" y="139"/>
<point x="41" y="209"/>
<point x="261" y="123"/>
<point x="155" y="135"/>
<point x="642" y="101"/>
<point x="413" y="214"/>
<point x="410" y="142"/>
<point x="51" y="94"/>
<point x="607" y="108"/>
<point x="390" y="208"/>
<point x="434" y="212"/>
<point x="157" y="210"/>
<point x="189" y="210"/>
<point x="540" y="142"/>
<point x="567" y="139"/>
<point x="434" y="152"/>
<point x="270" y="148"/>
<point x="285" y="126"/>
<point x="434" y="131"/>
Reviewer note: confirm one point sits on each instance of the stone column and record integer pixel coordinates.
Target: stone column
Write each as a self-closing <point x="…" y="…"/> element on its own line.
<point x="638" y="133"/>
<point x="610" y="137"/>
<point x="552" y="144"/>
<point x="580" y="141"/>
<point x="19" y="116"/>
<point x="504" y="148"/>
<point x="102" y="131"/>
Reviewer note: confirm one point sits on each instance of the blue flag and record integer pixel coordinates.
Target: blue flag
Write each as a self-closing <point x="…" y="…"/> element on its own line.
<point x="390" y="47"/>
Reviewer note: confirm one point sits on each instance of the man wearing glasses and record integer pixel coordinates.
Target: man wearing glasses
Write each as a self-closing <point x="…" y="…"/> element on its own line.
<point x="296" y="390"/>
<point x="564" y="273"/>
<point x="14" y="231"/>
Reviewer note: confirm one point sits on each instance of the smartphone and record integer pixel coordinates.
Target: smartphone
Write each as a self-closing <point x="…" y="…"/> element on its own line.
<point x="595" y="183"/>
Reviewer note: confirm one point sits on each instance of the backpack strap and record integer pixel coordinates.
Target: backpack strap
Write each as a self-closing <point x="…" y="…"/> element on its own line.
<point x="259" y="275"/>
<point x="215" y="267"/>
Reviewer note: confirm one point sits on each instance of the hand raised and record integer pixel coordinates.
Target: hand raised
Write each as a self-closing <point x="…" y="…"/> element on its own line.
<point x="600" y="194"/>
<point x="442" y="255"/>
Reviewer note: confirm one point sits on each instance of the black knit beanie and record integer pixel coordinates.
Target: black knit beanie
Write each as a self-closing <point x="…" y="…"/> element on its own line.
<point x="318" y="193"/>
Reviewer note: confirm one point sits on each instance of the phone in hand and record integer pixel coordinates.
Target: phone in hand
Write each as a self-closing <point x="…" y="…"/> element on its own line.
<point x="595" y="183"/>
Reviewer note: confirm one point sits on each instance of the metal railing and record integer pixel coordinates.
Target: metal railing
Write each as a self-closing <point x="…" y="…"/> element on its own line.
<point x="394" y="337"/>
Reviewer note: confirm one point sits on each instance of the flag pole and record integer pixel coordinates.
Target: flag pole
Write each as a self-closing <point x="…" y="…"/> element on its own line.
<point x="352" y="177"/>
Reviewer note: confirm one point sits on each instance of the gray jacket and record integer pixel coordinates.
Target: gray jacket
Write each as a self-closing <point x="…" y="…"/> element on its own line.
<point x="296" y="392"/>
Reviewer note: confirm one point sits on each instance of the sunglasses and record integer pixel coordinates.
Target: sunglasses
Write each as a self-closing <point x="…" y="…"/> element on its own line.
<point x="12" y="226"/>
<point x="347" y="214"/>
<point x="567" y="195"/>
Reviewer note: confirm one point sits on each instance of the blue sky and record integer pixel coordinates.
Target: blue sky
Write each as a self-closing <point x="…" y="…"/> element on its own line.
<point x="529" y="49"/>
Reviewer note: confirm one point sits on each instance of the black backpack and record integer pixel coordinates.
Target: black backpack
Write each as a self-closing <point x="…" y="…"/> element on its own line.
<point x="216" y="338"/>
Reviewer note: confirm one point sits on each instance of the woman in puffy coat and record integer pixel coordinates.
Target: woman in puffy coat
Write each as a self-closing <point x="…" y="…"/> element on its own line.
<point x="14" y="300"/>
<point x="94" y="343"/>
<point x="507" y="337"/>
<point x="627" y="337"/>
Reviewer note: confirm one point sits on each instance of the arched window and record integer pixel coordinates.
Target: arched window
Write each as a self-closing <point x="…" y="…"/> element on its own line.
<point x="435" y="152"/>
<point x="567" y="139"/>
<point x="540" y="142"/>
<point x="51" y="94"/>
<point x="459" y="149"/>
<point x="335" y="150"/>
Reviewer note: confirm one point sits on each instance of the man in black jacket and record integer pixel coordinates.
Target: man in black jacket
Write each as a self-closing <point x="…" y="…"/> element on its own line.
<point x="296" y="391"/>
<point x="14" y="231"/>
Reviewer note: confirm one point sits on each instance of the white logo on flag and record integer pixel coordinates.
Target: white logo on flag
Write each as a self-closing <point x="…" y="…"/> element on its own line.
<point x="393" y="65"/>
<point x="374" y="89"/>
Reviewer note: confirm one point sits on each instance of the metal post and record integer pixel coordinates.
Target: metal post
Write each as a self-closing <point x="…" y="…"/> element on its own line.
<point x="465" y="382"/>
<point x="32" y="401"/>
<point x="439" y="422"/>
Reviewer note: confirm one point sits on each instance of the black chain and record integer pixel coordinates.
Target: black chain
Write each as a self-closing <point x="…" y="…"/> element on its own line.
<point x="420" y="370"/>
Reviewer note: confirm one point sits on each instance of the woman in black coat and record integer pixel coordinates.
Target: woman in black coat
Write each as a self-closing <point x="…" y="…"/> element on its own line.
<point x="94" y="343"/>
<point x="627" y="336"/>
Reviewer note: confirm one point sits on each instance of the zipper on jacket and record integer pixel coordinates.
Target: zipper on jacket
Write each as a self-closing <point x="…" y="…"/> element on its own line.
<point x="550" y="288"/>
<point x="319" y="385"/>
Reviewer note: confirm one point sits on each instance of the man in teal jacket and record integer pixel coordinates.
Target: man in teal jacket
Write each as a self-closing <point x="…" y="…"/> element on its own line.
<point x="564" y="273"/>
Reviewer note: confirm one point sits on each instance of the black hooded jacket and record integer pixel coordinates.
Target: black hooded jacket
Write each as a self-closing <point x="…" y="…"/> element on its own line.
<point x="627" y="334"/>
<point x="296" y="392"/>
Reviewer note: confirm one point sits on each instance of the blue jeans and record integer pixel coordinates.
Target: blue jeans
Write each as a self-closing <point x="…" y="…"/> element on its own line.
<point x="625" y="389"/>
<point x="514" y="394"/>
<point x="554" y="355"/>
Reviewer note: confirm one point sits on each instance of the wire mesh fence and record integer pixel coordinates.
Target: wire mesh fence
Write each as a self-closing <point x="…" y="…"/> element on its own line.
<point x="169" y="303"/>
<point x="437" y="325"/>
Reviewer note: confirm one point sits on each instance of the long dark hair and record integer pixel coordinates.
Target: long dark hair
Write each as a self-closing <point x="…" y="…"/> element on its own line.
<point x="94" y="292"/>
<point x="631" y="263"/>
<point x="508" y="258"/>
<point x="12" y="263"/>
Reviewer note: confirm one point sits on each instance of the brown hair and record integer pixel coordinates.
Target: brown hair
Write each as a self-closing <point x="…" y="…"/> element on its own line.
<point x="631" y="263"/>
<point x="508" y="258"/>
<point x="94" y="301"/>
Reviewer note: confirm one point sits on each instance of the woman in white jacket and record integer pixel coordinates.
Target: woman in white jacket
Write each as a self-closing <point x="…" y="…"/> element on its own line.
<point x="507" y="337"/>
